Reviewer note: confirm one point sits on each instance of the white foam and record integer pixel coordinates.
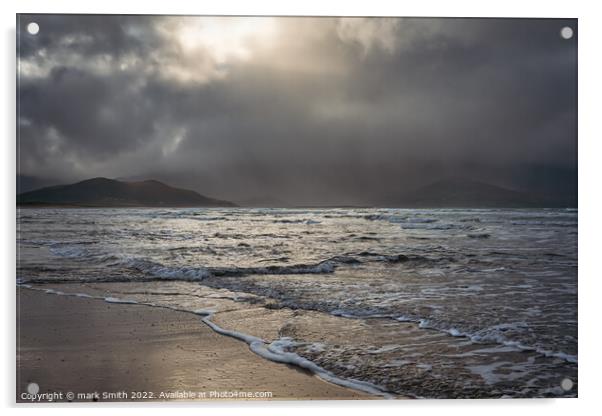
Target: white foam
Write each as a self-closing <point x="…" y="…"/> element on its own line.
<point x="455" y="332"/>
<point x="83" y="295"/>
<point x="488" y="335"/>
<point x="204" y="312"/>
<point x="425" y="367"/>
<point x="169" y="273"/>
<point x="276" y="352"/>
<point x="487" y="372"/>
<point x="68" y="251"/>
<point x="118" y="300"/>
<point x="54" y="292"/>
<point x="249" y="339"/>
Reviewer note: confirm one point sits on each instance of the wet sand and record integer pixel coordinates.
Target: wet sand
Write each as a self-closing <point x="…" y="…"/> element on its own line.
<point x="134" y="352"/>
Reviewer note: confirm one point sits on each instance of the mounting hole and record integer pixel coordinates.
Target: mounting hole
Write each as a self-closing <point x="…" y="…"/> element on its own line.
<point x="33" y="388"/>
<point x="33" y="28"/>
<point x="566" y="32"/>
<point x="566" y="384"/>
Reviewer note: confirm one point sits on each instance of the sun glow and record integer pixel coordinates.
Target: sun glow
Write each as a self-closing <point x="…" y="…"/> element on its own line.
<point x="225" y="38"/>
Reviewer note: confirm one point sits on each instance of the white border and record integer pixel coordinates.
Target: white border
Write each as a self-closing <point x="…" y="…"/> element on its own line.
<point x="508" y="8"/>
<point x="590" y="209"/>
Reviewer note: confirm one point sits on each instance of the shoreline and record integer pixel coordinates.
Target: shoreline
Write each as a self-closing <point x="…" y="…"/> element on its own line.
<point x="85" y="346"/>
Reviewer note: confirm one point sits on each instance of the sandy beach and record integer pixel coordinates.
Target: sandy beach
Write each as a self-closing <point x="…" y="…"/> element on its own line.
<point x="134" y="352"/>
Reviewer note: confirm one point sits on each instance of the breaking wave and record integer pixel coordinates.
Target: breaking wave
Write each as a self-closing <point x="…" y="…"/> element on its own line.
<point x="119" y="265"/>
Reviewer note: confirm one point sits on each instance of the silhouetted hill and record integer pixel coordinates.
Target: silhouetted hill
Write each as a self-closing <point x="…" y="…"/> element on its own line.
<point x="472" y="194"/>
<point x="26" y="183"/>
<point x="103" y="192"/>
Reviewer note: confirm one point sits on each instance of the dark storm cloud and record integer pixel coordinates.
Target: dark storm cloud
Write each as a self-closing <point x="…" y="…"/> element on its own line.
<point x="312" y="111"/>
<point x="93" y="114"/>
<point x="87" y="34"/>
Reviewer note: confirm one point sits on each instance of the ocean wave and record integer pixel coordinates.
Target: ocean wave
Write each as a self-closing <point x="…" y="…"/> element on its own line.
<point x="435" y="226"/>
<point x="151" y="270"/>
<point x="69" y="251"/>
<point x="156" y="270"/>
<point x="403" y="219"/>
<point x="278" y="351"/>
<point x="495" y="334"/>
<point x="197" y="217"/>
<point x="478" y="235"/>
<point x="160" y="271"/>
<point x="401" y="258"/>
<point x="324" y="267"/>
<point x="297" y="221"/>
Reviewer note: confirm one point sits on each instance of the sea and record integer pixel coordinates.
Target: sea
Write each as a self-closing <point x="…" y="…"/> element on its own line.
<point x="424" y="303"/>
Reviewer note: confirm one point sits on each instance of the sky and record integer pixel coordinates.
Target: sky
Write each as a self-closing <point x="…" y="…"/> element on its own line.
<point x="303" y="110"/>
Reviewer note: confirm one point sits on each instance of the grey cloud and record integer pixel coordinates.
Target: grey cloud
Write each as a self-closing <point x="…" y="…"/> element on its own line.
<point x="319" y="115"/>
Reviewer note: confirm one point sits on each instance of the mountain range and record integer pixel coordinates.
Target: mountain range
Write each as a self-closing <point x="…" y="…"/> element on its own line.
<point x="473" y="194"/>
<point x="103" y="192"/>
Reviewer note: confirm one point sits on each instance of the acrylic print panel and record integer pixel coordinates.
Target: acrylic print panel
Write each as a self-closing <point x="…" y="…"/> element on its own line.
<point x="387" y="204"/>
